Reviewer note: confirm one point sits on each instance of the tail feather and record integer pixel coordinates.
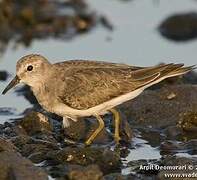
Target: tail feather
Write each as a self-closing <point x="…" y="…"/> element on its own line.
<point x="172" y="68"/>
<point x="184" y="70"/>
<point x="156" y="74"/>
<point x="180" y="71"/>
<point x="148" y="72"/>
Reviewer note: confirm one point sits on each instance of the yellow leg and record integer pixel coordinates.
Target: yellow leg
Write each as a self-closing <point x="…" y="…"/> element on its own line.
<point x="117" y="124"/>
<point x="97" y="131"/>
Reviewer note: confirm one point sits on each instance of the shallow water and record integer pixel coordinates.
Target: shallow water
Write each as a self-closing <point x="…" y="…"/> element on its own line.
<point x="141" y="146"/>
<point x="134" y="40"/>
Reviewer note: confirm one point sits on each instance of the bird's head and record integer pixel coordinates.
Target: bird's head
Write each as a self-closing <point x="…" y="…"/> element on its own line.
<point x="30" y="70"/>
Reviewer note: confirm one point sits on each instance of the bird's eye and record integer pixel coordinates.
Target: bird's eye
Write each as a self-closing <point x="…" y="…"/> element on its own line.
<point x="30" y="68"/>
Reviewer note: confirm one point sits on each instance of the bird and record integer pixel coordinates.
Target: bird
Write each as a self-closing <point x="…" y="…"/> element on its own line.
<point x="76" y="89"/>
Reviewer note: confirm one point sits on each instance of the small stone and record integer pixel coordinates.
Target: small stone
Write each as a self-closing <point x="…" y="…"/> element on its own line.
<point x="70" y="157"/>
<point x="107" y="160"/>
<point x="171" y="96"/>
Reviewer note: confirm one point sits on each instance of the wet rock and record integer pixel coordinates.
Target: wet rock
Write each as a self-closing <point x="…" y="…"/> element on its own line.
<point x="13" y="166"/>
<point x="180" y="27"/>
<point x="37" y="152"/>
<point x="152" y="108"/>
<point x="90" y="172"/>
<point x="33" y="136"/>
<point x="107" y="160"/>
<point x="6" y="146"/>
<point x="188" y="121"/>
<point x="76" y="130"/>
<point x="173" y="133"/>
<point x="190" y="78"/>
<point x="20" y="141"/>
<point x="3" y="75"/>
<point x="34" y="123"/>
<point x="172" y="147"/>
<point x="152" y="136"/>
<point x="75" y="172"/>
<point x="35" y="149"/>
<point x="132" y="176"/>
<point x="18" y="130"/>
<point x="57" y="171"/>
<point x="10" y="130"/>
<point x="82" y="130"/>
<point x="142" y="166"/>
<point x="186" y="165"/>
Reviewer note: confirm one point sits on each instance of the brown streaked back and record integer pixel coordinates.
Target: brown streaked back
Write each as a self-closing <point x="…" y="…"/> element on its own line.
<point x="88" y="87"/>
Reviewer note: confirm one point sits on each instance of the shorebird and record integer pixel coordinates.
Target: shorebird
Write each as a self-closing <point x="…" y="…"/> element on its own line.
<point x="82" y="88"/>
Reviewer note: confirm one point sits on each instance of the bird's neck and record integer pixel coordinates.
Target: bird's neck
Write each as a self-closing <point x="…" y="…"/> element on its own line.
<point x="43" y="96"/>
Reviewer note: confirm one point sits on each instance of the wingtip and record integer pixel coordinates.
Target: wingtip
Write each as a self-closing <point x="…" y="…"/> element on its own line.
<point x="191" y="68"/>
<point x="194" y="66"/>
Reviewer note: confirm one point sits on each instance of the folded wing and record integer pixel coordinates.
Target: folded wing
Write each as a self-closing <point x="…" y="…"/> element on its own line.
<point x="88" y="87"/>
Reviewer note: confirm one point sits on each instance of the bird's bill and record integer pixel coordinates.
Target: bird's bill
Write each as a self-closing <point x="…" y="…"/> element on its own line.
<point x="12" y="84"/>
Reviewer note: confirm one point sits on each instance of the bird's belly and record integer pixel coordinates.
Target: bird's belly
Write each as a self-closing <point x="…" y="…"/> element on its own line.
<point x="64" y="110"/>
